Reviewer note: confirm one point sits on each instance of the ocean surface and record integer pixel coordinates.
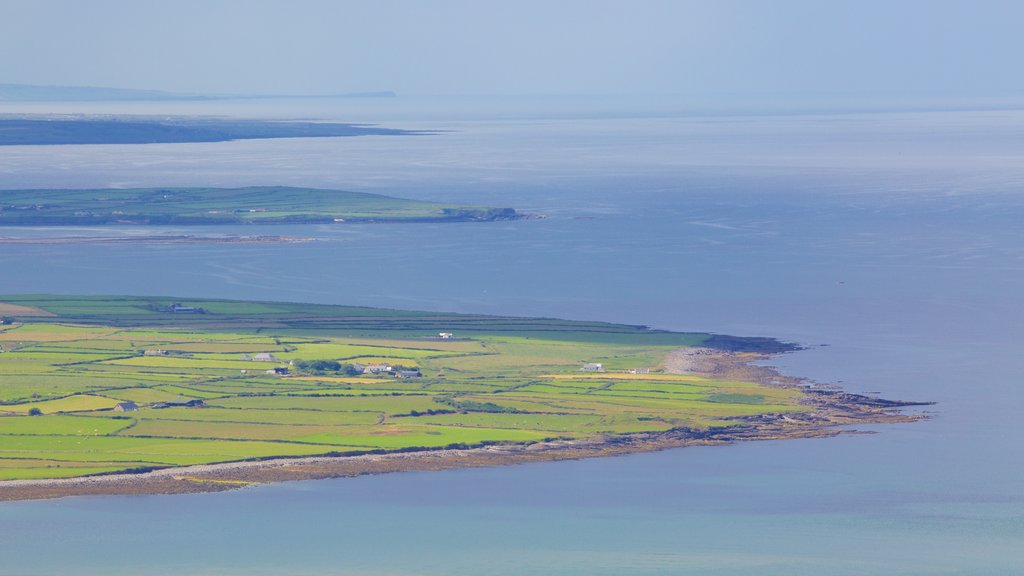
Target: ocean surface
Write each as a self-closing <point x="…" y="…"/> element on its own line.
<point x="890" y="243"/>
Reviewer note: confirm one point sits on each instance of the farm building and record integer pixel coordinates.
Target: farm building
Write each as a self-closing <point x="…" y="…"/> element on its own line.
<point x="446" y="335"/>
<point x="376" y="369"/>
<point x="593" y="367"/>
<point x="155" y="352"/>
<point x="127" y="406"/>
<point x="278" y="371"/>
<point x="409" y="374"/>
<point x="261" y="357"/>
<point x="639" y="371"/>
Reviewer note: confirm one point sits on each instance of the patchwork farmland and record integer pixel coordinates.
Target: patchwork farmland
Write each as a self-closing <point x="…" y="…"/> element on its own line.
<point x="92" y="385"/>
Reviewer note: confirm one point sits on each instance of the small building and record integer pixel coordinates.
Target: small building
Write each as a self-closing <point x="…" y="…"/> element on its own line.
<point x="278" y="371"/>
<point x="593" y="367"/>
<point x="126" y="406"/>
<point x="181" y="403"/>
<point x="446" y="335"/>
<point x="409" y="374"/>
<point x="261" y="357"/>
<point x="179" y="307"/>
<point x="155" y="352"/>
<point x="639" y="371"/>
<point x="377" y="369"/>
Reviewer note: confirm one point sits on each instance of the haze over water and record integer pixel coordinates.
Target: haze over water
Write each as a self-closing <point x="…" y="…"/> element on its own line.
<point x="892" y="237"/>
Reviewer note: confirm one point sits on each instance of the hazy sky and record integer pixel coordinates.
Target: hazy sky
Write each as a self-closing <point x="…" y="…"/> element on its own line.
<point x="516" y="46"/>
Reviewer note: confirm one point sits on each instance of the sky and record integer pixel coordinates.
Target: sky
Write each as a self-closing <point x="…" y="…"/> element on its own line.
<point x="515" y="47"/>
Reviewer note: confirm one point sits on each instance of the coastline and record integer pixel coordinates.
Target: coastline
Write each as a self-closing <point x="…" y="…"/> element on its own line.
<point x="830" y="408"/>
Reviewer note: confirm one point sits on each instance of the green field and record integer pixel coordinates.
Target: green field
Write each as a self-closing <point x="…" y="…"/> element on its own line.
<point x="251" y="205"/>
<point x="66" y="362"/>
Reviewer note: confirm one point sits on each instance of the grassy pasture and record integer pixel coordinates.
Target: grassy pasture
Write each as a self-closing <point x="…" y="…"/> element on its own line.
<point x="502" y="380"/>
<point x="25" y="387"/>
<point x="187" y="392"/>
<point x="268" y="416"/>
<point x="32" y="469"/>
<point x="227" y="430"/>
<point x="375" y="403"/>
<point x="420" y="436"/>
<point x="62" y="425"/>
<point x="353" y="392"/>
<point x="76" y="403"/>
<point x="168" y="451"/>
<point x="142" y="395"/>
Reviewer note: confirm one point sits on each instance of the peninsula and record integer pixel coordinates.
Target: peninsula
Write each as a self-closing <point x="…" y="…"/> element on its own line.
<point x="40" y="130"/>
<point x="218" y="206"/>
<point x="116" y="395"/>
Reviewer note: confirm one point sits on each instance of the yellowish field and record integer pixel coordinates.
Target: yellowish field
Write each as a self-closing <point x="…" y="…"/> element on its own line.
<point x="18" y="310"/>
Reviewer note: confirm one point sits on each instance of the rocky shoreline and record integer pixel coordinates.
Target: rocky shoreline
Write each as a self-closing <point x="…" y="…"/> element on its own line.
<point x="830" y="408"/>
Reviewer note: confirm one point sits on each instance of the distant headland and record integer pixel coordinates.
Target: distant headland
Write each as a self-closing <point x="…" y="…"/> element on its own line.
<point x="39" y="130"/>
<point x="219" y="206"/>
<point x="40" y="93"/>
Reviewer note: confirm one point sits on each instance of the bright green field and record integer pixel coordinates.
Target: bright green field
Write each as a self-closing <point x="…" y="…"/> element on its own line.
<point x="502" y="380"/>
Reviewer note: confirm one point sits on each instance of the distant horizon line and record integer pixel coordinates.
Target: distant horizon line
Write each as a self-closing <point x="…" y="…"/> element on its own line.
<point x="186" y="95"/>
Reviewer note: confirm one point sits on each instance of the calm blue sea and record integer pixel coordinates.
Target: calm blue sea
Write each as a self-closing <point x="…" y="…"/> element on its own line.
<point x="889" y="243"/>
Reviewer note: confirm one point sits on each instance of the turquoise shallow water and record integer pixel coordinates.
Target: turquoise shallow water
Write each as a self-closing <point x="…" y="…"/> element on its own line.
<point x="894" y="239"/>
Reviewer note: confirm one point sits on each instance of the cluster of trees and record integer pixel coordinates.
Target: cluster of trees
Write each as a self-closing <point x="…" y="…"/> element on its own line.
<point x="325" y="366"/>
<point x="430" y="412"/>
<point x="474" y="406"/>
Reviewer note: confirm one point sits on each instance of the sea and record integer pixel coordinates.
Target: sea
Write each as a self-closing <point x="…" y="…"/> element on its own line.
<point x="888" y="241"/>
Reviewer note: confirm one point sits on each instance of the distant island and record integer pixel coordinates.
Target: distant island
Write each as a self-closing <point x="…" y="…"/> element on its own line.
<point x="38" y="93"/>
<point x="219" y="206"/>
<point x="51" y="130"/>
<point x="158" y="239"/>
<point x="127" y="395"/>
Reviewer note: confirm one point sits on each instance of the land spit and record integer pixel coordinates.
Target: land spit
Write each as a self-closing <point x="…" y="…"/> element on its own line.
<point x="830" y="408"/>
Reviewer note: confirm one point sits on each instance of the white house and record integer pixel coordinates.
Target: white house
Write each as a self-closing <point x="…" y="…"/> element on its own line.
<point x="262" y="357"/>
<point x="376" y="369"/>
<point x="446" y="335"/>
<point x="593" y="367"/>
